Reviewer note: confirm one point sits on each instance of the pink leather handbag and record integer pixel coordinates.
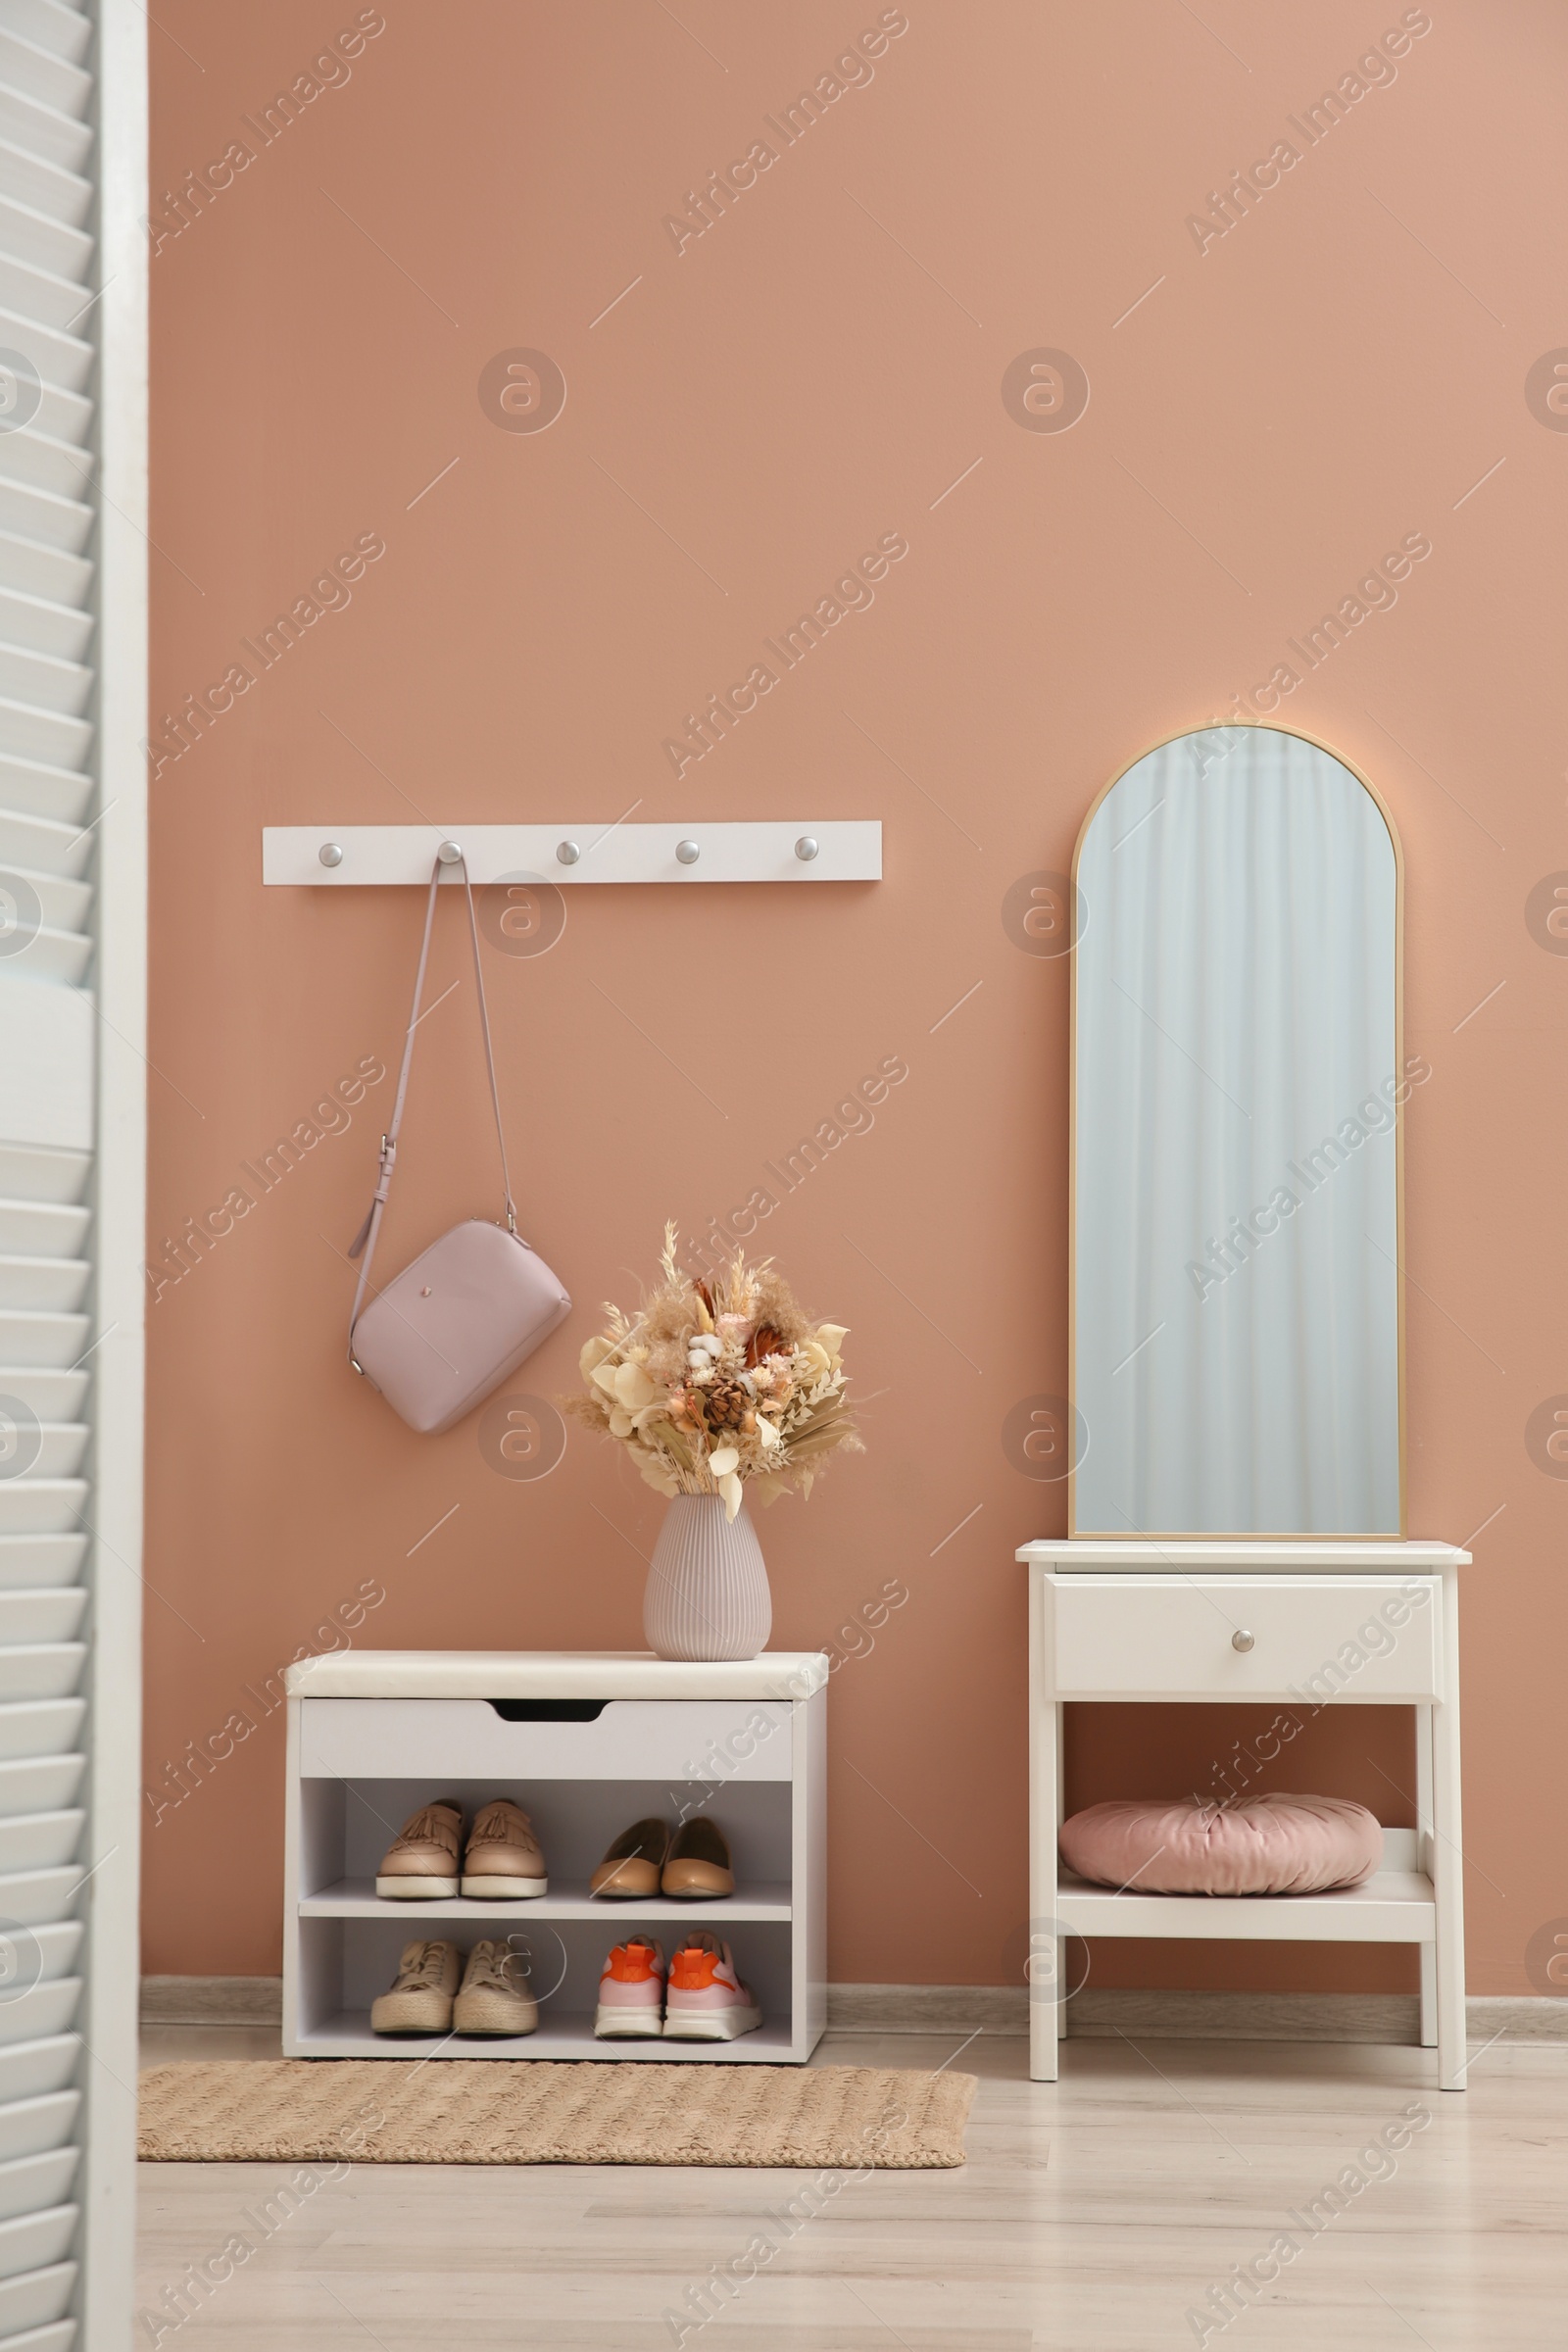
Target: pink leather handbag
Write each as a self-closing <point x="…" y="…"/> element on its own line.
<point x="447" y="1331"/>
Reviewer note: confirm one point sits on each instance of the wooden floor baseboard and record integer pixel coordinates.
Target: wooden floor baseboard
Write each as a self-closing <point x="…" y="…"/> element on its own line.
<point x="212" y="2000"/>
<point x="1247" y="2016"/>
<point x="1183" y="2016"/>
<point x="1521" y="2017"/>
<point x="1167" y="2016"/>
<point x="927" y="2009"/>
<point x="1003" y="2009"/>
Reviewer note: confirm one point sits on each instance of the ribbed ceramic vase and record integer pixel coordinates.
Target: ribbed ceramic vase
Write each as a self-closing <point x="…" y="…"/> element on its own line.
<point x="708" y="1595"/>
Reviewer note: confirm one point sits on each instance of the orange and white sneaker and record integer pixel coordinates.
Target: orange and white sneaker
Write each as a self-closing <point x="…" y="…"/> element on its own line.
<point x="631" y="1991"/>
<point x="706" y="2000"/>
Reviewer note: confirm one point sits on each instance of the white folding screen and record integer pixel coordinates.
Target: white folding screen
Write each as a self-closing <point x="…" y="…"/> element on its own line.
<point x="72" y="297"/>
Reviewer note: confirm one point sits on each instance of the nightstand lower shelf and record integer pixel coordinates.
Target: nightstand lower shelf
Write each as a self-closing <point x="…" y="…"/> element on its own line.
<point x="1394" y="1906"/>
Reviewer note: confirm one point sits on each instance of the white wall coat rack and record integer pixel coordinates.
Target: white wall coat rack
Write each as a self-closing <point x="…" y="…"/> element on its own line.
<point x="350" y="857"/>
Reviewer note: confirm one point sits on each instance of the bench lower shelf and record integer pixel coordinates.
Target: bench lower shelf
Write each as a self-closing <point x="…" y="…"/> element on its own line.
<point x="348" y="2036"/>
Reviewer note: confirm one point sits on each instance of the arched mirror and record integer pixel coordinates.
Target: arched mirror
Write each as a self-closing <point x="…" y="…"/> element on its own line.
<point x="1238" y="1082"/>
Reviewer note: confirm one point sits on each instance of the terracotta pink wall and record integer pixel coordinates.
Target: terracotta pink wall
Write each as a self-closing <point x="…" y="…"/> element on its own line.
<point x="1270" y="411"/>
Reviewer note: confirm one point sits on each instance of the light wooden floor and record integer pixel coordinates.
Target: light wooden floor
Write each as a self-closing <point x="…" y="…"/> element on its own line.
<point x="1092" y="2213"/>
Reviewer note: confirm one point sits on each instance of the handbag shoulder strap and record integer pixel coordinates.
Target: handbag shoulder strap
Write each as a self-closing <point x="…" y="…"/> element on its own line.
<point x="366" y="1238"/>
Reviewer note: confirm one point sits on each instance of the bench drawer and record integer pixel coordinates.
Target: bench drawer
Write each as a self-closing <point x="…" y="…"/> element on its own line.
<point x="467" y="1739"/>
<point x="1314" y="1637"/>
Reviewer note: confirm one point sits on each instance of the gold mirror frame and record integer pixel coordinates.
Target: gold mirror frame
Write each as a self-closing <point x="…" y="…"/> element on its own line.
<point x="1197" y="1535"/>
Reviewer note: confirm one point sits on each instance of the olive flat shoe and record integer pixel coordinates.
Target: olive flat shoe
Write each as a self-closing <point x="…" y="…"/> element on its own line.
<point x="697" y="1868"/>
<point x="629" y="1871"/>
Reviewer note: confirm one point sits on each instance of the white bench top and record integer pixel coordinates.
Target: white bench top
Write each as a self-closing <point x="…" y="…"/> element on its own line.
<point x="779" y="1674"/>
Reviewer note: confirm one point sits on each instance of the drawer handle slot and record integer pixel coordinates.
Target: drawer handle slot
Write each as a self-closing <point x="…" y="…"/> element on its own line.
<point x="548" y="1710"/>
<point x="1243" y="1640"/>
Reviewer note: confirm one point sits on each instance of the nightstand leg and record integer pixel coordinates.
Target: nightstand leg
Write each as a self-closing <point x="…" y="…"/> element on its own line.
<point x="1425" y="1861"/>
<point x="1046" y="1953"/>
<point x="1448" y="1858"/>
<point x="1061" y="1815"/>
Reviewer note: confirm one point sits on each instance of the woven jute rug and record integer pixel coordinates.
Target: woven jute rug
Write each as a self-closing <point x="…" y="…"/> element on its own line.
<point x="489" y="2111"/>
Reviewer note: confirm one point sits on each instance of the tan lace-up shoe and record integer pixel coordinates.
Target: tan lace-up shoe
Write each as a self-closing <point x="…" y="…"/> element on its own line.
<point x="421" y="1999"/>
<point x="421" y="1865"/>
<point x="503" y="1861"/>
<point x="496" y="1997"/>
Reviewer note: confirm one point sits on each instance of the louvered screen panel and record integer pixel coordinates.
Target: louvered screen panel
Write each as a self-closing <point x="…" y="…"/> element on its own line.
<point x="47" y="805"/>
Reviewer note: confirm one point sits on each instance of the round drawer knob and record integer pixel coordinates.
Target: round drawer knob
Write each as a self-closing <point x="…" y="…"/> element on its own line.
<point x="1241" y="1639"/>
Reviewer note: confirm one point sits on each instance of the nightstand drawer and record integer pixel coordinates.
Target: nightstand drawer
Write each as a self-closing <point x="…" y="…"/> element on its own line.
<point x="1308" y="1637"/>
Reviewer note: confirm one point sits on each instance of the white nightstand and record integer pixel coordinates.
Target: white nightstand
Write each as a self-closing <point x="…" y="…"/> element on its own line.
<point x="1206" y="1621"/>
<point x="587" y="1744"/>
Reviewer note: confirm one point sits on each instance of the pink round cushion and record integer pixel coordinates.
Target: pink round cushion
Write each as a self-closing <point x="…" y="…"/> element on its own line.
<point x="1272" y="1845"/>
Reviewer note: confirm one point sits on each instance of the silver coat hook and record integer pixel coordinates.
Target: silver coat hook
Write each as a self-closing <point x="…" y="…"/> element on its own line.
<point x="329" y="854"/>
<point x="688" y="852"/>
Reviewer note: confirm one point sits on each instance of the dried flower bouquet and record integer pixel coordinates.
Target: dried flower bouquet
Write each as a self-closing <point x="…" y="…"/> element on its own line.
<point x="711" y="1386"/>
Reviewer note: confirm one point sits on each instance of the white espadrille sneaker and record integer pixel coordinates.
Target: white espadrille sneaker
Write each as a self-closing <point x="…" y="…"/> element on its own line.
<point x="495" y="1996"/>
<point x="420" y="1998"/>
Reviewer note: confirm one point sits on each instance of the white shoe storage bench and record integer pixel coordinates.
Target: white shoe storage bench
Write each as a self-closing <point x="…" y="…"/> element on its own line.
<point x="586" y="1743"/>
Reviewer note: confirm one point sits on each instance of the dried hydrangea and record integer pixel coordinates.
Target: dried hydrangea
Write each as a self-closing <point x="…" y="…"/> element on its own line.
<point x="714" y="1384"/>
